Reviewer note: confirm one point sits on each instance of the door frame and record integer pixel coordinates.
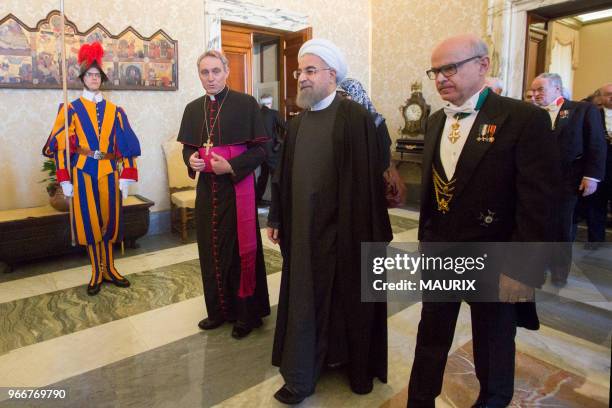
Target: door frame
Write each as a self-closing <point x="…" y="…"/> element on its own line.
<point x="247" y="28"/>
<point x="248" y="14"/>
<point x="507" y="29"/>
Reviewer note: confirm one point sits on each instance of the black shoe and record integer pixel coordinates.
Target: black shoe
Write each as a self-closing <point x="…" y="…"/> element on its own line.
<point x="208" y="324"/>
<point x="559" y="283"/>
<point x="287" y="396"/>
<point x="240" y="332"/>
<point x="122" y="283"/>
<point x="93" y="290"/>
<point x="593" y="246"/>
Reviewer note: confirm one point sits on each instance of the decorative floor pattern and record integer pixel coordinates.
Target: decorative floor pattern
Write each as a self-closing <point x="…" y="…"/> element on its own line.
<point x="38" y="318"/>
<point x="141" y="347"/>
<point x="538" y="384"/>
<point x="402" y="224"/>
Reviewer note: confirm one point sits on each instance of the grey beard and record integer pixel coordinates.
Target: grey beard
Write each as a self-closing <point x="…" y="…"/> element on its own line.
<point x="308" y="99"/>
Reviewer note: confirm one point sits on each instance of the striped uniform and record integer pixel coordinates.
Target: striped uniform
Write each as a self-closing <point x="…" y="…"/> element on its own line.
<point x="97" y="200"/>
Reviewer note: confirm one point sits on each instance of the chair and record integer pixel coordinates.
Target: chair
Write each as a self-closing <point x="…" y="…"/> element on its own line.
<point x="181" y="187"/>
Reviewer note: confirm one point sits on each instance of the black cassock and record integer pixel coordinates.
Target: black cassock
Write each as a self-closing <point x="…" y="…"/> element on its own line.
<point x="327" y="198"/>
<point x="238" y="122"/>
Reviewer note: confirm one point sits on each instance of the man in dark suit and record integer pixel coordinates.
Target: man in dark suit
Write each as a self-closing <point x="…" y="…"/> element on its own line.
<point x="579" y="133"/>
<point x="601" y="202"/>
<point x="484" y="154"/>
<point x="606" y="113"/>
<point x="275" y="129"/>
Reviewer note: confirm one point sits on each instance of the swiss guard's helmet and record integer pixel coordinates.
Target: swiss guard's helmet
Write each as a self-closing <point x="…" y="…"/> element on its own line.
<point x="90" y="55"/>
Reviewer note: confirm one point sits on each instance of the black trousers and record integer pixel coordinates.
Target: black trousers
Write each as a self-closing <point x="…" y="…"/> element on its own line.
<point x="262" y="180"/>
<point x="493" y="332"/>
<point x="561" y="261"/>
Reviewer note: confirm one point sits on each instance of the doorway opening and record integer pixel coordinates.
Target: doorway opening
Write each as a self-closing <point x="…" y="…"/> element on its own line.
<point x="262" y="61"/>
<point x="570" y="39"/>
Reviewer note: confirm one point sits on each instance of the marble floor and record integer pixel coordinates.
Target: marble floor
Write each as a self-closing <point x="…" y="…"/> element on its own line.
<point x="140" y="347"/>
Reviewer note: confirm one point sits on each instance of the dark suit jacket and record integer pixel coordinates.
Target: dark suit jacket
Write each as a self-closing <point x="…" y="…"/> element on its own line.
<point x="516" y="177"/>
<point x="582" y="143"/>
<point x="275" y="130"/>
<point x="608" y="176"/>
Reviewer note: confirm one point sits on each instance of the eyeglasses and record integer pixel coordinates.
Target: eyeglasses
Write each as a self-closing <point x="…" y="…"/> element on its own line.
<point x="309" y="72"/>
<point x="93" y="75"/>
<point x="449" y="69"/>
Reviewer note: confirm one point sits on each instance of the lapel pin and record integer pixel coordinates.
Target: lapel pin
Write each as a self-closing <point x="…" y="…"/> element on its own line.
<point x="564" y="113"/>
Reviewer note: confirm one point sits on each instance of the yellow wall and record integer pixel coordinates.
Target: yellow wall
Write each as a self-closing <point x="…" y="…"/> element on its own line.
<point x="27" y="115"/>
<point x="403" y="35"/>
<point x="595" y="68"/>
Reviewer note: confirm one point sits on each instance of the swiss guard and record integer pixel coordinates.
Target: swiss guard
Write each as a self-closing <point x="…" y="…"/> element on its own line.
<point x="103" y="151"/>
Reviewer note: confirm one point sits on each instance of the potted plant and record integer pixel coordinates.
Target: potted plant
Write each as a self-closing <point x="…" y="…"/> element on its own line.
<point x="56" y="195"/>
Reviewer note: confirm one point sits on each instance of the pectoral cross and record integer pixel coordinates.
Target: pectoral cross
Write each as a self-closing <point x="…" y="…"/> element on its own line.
<point x="208" y="145"/>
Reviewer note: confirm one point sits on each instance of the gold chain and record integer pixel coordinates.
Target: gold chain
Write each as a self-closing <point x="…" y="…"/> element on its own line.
<point x="444" y="191"/>
<point x="208" y="141"/>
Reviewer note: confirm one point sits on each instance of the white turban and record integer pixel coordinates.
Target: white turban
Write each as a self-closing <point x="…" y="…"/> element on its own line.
<point x="328" y="52"/>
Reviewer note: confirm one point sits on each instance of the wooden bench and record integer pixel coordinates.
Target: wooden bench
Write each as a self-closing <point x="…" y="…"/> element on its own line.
<point x="38" y="232"/>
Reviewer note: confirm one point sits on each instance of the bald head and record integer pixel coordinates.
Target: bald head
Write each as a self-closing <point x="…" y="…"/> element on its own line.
<point x="606" y="95"/>
<point x="461" y="64"/>
<point x="463" y="45"/>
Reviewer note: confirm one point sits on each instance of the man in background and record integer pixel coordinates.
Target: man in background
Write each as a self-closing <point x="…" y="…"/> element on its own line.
<point x="275" y="130"/>
<point x="578" y="131"/>
<point x="495" y="84"/>
<point x="594" y="209"/>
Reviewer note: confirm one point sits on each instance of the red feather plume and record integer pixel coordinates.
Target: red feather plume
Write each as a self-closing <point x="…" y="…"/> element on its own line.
<point x="90" y="53"/>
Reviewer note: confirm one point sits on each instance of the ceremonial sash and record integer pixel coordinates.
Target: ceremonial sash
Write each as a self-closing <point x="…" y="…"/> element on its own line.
<point x="245" y="218"/>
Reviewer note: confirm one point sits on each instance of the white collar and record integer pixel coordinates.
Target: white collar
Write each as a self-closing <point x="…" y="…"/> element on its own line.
<point x="325" y="102"/>
<point x="92" y="97"/>
<point x="468" y="106"/>
<point x="555" y="105"/>
<point x="607" y="111"/>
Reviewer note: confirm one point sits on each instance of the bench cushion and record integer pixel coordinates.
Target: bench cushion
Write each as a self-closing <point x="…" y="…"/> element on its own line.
<point x="184" y="199"/>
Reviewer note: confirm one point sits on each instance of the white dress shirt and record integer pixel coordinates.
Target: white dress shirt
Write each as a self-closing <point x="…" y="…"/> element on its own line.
<point x="325" y="102"/>
<point x="450" y="152"/>
<point x="608" y="116"/>
<point x="553" y="109"/>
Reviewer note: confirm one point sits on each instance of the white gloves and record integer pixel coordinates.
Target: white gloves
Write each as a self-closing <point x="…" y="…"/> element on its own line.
<point x="124" y="186"/>
<point x="67" y="188"/>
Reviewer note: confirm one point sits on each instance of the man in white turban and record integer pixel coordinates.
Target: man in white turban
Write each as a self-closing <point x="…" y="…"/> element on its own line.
<point x="327" y="198"/>
<point x="329" y="53"/>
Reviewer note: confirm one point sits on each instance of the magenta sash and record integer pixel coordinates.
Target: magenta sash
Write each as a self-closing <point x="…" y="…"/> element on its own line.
<point x="245" y="218"/>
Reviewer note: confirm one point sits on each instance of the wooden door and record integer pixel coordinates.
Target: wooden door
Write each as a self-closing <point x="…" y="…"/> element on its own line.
<point x="535" y="50"/>
<point x="290" y="44"/>
<point x="237" y="45"/>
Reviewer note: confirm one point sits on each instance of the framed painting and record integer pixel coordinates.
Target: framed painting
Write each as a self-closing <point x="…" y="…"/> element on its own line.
<point x="31" y="57"/>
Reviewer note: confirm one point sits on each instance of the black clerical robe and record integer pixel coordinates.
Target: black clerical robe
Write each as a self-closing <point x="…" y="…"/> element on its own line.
<point x="233" y="119"/>
<point x="321" y="319"/>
